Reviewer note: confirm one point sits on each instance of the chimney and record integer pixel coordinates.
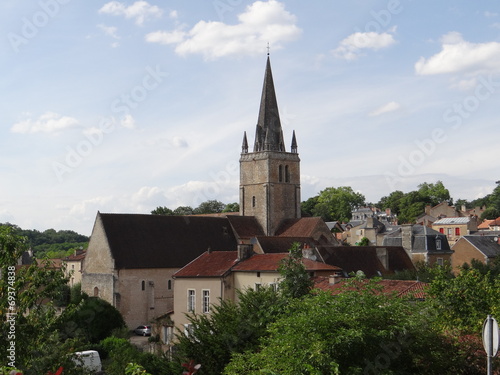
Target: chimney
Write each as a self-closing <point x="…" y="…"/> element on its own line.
<point x="335" y="278"/>
<point x="245" y="251"/>
<point x="383" y="256"/>
<point x="369" y="222"/>
<point x="406" y="237"/>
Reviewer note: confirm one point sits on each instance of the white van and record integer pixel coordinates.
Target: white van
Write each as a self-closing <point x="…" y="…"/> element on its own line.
<point x="88" y="359"/>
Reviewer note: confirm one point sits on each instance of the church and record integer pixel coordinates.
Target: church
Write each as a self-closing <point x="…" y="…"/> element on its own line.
<point x="132" y="259"/>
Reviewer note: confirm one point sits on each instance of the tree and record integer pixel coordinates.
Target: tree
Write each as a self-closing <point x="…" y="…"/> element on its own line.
<point x="93" y="319"/>
<point x="232" y="207"/>
<point x="27" y="314"/>
<point x="183" y="210"/>
<point x="162" y="210"/>
<point x="435" y="193"/>
<point x="363" y="242"/>
<point x="209" y="207"/>
<point x="337" y="203"/>
<point x="232" y="327"/>
<point x="325" y="334"/>
<point x="412" y="205"/>
<point x="296" y="281"/>
<point x="392" y="201"/>
<point x="307" y="207"/>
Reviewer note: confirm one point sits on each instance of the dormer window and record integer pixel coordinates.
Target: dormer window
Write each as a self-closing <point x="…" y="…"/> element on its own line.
<point x="438" y="243"/>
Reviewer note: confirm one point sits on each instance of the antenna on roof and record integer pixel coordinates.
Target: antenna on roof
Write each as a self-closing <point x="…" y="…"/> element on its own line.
<point x="268" y="48"/>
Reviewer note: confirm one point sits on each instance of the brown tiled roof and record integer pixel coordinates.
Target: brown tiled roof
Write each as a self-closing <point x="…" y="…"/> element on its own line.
<point x="157" y="241"/>
<point x="364" y="258"/>
<point x="245" y="226"/>
<point x="213" y="264"/>
<point x="282" y="244"/>
<point x="79" y="256"/>
<point x="399" y="288"/>
<point x="303" y="227"/>
<point x="271" y="262"/>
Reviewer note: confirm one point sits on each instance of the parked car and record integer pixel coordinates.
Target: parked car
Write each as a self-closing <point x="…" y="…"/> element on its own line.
<point x="89" y="360"/>
<point x="143" y="330"/>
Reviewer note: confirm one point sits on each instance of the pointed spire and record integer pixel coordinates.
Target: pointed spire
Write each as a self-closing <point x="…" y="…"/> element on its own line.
<point x="244" y="146"/>
<point x="268" y="135"/>
<point x="294" y="143"/>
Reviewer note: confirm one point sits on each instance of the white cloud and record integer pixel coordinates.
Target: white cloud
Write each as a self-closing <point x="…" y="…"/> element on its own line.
<point x="458" y="55"/>
<point x="49" y="122"/>
<point x="140" y="10"/>
<point x="351" y="47"/>
<point x="128" y="122"/>
<point x="109" y="31"/>
<point x="262" y="22"/>
<point x="389" y="107"/>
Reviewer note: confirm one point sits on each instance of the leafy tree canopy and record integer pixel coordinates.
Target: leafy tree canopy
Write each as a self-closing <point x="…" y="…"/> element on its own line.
<point x="334" y="203"/>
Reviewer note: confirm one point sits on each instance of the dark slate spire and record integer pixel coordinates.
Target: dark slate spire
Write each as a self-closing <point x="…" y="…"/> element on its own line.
<point x="268" y="135"/>
<point x="244" y="146"/>
<point x="294" y="143"/>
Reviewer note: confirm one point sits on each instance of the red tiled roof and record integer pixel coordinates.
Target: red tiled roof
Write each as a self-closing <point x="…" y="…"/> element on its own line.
<point x="209" y="264"/>
<point x="271" y="262"/>
<point x="245" y="226"/>
<point x="398" y="287"/>
<point x="75" y="258"/>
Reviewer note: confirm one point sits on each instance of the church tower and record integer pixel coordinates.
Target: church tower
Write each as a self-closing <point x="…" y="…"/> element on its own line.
<point x="269" y="176"/>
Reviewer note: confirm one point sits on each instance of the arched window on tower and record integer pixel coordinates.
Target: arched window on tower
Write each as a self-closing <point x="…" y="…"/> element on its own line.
<point x="287" y="174"/>
<point x="96" y="292"/>
<point x="143" y="285"/>
<point x="253" y="201"/>
<point x="280" y="173"/>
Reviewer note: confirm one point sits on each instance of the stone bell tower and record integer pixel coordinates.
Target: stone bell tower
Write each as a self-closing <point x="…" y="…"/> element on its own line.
<point x="269" y="176"/>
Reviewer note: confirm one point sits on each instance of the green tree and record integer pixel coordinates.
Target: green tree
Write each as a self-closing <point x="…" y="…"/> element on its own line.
<point x="93" y="319"/>
<point x="231" y="327"/>
<point x="325" y="334"/>
<point x="412" y="205"/>
<point x="307" y="207"/>
<point x="337" y="203"/>
<point x="465" y="300"/>
<point x="210" y="207"/>
<point x="184" y="210"/>
<point x="363" y="242"/>
<point x="162" y="210"/>
<point x="27" y="314"/>
<point x="295" y="281"/>
<point x="232" y="207"/>
<point x="392" y="201"/>
<point x="435" y="193"/>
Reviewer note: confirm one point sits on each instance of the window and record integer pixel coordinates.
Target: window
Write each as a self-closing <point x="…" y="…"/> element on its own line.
<point x="287" y="174"/>
<point x="440" y="261"/>
<point x="169" y="284"/>
<point x="206" y="301"/>
<point x="449" y="232"/>
<point x="438" y="244"/>
<point x="143" y="285"/>
<point x="253" y="201"/>
<point x="96" y="292"/>
<point x="258" y="274"/>
<point x="280" y="173"/>
<point x="257" y="286"/>
<point x="188" y="330"/>
<point x="457" y="231"/>
<point x="441" y="230"/>
<point x="191" y="300"/>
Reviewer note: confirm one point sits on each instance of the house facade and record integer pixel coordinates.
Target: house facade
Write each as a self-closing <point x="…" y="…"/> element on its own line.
<point x="483" y="248"/>
<point x="73" y="267"/>
<point x="455" y="227"/>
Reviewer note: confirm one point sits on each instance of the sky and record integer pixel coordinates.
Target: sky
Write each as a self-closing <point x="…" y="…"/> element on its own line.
<point x="124" y="106"/>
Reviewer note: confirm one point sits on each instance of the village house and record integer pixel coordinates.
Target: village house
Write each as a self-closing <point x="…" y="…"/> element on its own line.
<point x="482" y="248"/>
<point x="422" y="244"/>
<point x="73" y="266"/>
<point x="455" y="227"/>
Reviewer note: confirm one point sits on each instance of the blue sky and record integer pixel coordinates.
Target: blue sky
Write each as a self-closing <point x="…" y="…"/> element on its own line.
<point x="124" y="106"/>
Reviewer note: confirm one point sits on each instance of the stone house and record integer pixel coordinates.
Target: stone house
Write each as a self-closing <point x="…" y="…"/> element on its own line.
<point x="422" y="243"/>
<point x="483" y="248"/>
<point x="455" y="227"/>
<point x="73" y="266"/>
<point x="215" y="276"/>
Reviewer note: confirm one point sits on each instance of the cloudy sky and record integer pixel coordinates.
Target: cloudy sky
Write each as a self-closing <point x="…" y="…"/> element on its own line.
<point x="124" y="106"/>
